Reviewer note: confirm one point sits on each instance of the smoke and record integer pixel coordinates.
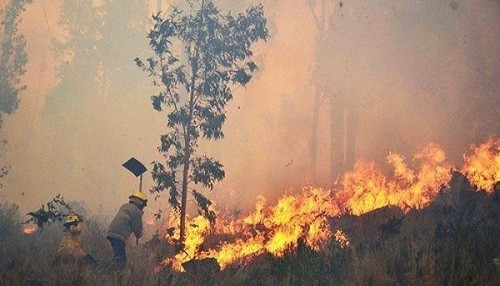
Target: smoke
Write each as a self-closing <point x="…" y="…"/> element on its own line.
<point x="416" y="72"/>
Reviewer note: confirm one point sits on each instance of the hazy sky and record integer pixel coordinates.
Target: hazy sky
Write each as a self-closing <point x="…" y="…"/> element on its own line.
<point x="420" y="71"/>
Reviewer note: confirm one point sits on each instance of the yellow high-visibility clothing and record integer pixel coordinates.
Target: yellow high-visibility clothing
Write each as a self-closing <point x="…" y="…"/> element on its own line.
<point x="70" y="248"/>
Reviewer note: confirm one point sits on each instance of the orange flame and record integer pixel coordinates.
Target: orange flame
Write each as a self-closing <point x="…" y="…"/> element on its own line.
<point x="303" y="217"/>
<point x="482" y="167"/>
<point x="366" y="188"/>
<point x="30" y="229"/>
<point x="276" y="229"/>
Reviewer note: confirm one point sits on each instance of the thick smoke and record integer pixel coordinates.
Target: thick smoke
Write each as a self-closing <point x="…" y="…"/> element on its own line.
<point x="416" y="72"/>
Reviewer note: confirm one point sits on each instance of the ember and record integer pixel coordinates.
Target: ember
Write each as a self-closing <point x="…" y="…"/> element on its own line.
<point x="30" y="229"/>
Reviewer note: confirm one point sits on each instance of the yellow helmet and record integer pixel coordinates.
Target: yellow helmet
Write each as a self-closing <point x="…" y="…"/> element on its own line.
<point x="139" y="195"/>
<point x="72" y="219"/>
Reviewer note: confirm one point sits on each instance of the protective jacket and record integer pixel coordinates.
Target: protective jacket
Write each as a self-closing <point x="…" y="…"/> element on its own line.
<point x="70" y="247"/>
<point x="128" y="220"/>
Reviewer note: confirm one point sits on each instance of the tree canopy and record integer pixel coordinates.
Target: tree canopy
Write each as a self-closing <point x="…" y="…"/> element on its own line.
<point x="197" y="58"/>
<point x="13" y="56"/>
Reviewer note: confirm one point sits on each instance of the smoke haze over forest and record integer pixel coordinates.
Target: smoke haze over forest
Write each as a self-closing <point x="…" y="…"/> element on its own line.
<point x="416" y="72"/>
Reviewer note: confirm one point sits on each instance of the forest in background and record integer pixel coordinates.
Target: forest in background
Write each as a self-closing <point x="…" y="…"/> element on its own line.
<point x="421" y="72"/>
<point x="310" y="117"/>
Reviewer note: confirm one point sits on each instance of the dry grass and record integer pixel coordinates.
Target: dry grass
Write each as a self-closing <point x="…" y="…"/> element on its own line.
<point x="452" y="242"/>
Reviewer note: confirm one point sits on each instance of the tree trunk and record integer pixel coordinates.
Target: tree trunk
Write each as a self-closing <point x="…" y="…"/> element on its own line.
<point x="320" y="25"/>
<point x="187" y="130"/>
<point x="351" y="120"/>
<point x="185" y="173"/>
<point x="314" y="134"/>
<point x="336" y="137"/>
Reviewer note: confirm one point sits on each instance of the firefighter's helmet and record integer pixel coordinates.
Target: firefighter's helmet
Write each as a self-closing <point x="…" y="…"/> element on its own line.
<point x="139" y="195"/>
<point x="72" y="219"/>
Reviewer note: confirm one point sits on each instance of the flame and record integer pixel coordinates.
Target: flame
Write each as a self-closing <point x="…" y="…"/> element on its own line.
<point x="303" y="217"/>
<point x="276" y="230"/>
<point x="342" y="239"/>
<point x="30" y="229"/>
<point x="366" y="188"/>
<point x="197" y="228"/>
<point x="482" y="167"/>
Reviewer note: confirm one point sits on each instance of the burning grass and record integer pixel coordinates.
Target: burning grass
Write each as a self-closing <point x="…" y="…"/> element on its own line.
<point x="278" y="229"/>
<point x="426" y="222"/>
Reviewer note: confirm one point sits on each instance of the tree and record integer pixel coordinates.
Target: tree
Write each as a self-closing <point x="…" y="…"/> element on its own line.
<point x="79" y="83"/>
<point x="96" y="81"/>
<point x="124" y="26"/>
<point x="343" y="107"/>
<point x="197" y="58"/>
<point x="13" y="57"/>
<point x="321" y="43"/>
<point x="55" y="210"/>
<point x="79" y="54"/>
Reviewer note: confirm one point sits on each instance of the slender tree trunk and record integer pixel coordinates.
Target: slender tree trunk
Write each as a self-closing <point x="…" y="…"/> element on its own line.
<point x="336" y="137"/>
<point x="314" y="134"/>
<point x="185" y="172"/>
<point x="351" y="120"/>
<point x="187" y="130"/>
<point x="187" y="156"/>
<point x="321" y="24"/>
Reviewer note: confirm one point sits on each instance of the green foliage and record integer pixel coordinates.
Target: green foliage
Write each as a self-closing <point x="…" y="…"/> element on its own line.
<point x="78" y="55"/>
<point x="94" y="58"/>
<point x="13" y="59"/>
<point x="4" y="170"/>
<point x="204" y="206"/>
<point x="13" y="56"/>
<point x="206" y="171"/>
<point x="54" y="210"/>
<point x="197" y="58"/>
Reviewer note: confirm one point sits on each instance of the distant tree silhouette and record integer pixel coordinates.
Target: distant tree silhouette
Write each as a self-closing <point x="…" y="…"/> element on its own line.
<point x="96" y="76"/>
<point x="79" y="55"/>
<point x="124" y="25"/>
<point x="343" y="107"/>
<point x="13" y="56"/>
<point x="13" y="59"/>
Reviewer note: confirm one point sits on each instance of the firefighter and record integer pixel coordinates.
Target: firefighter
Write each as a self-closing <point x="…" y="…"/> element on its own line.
<point x="128" y="220"/>
<point x="70" y="249"/>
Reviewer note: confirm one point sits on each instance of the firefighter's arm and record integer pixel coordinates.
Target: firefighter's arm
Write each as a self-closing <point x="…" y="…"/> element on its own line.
<point x="136" y="224"/>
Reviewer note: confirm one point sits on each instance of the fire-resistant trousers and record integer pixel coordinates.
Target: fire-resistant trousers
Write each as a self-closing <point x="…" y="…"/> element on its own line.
<point x="119" y="251"/>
